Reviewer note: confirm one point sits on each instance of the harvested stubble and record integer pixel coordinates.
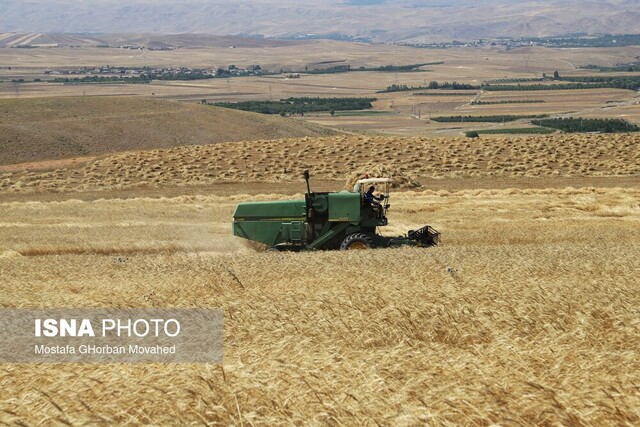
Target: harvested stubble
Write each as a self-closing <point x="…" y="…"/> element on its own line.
<point x="335" y="158"/>
<point x="536" y="321"/>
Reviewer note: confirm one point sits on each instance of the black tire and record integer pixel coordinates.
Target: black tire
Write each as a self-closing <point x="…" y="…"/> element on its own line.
<point x="357" y="241"/>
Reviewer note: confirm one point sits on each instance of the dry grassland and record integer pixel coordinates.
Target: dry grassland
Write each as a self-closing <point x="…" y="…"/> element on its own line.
<point x="58" y="128"/>
<point x="536" y="324"/>
<point x="542" y="157"/>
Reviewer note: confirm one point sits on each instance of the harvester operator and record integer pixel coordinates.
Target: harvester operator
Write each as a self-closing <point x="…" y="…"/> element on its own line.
<point x="371" y="200"/>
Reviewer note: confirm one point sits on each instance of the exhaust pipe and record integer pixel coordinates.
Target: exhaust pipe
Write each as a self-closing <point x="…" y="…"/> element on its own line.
<point x="306" y="178"/>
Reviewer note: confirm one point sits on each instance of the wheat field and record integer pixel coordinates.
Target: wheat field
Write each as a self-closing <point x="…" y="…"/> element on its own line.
<point x="535" y="321"/>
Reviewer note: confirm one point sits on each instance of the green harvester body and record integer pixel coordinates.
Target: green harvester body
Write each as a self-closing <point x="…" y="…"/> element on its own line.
<point x="327" y="220"/>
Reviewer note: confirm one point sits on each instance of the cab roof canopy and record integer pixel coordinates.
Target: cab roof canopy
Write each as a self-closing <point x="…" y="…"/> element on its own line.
<point x="374" y="181"/>
<point x="363" y="183"/>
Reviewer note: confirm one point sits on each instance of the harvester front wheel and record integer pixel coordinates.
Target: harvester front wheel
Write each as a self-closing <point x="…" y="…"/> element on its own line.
<point x="357" y="241"/>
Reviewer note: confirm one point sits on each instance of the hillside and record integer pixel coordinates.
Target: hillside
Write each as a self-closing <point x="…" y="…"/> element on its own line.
<point x="57" y="128"/>
<point x="407" y="160"/>
<point x="406" y="20"/>
<point x="151" y="41"/>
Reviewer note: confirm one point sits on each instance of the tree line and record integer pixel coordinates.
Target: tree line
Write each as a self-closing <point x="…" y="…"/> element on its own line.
<point x="432" y="85"/>
<point x="577" y="124"/>
<point x="569" y="83"/>
<point x="487" y="119"/>
<point x="619" y="82"/>
<point x="299" y="105"/>
<point x="606" y="40"/>
<point x="620" y="68"/>
<point x="445" y="94"/>
<point x="515" y="131"/>
<point x="510" y="101"/>
<point x="575" y="82"/>
<point x="384" y="68"/>
<point x="142" y="78"/>
<point x="103" y="79"/>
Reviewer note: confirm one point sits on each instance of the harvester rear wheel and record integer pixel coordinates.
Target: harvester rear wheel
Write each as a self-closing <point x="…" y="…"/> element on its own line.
<point x="357" y="241"/>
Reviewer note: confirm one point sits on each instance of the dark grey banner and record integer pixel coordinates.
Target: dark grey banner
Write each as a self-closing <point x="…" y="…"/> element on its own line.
<point x="105" y="335"/>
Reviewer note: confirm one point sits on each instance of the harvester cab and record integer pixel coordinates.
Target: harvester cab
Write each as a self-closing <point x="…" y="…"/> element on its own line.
<point x="327" y="220"/>
<point x="378" y="202"/>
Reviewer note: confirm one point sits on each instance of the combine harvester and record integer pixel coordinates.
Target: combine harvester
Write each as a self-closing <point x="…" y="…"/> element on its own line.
<point x="337" y="220"/>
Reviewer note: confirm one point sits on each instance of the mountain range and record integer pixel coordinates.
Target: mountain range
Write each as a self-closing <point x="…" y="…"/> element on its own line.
<point x="374" y="20"/>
